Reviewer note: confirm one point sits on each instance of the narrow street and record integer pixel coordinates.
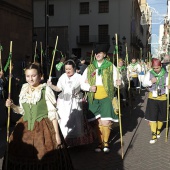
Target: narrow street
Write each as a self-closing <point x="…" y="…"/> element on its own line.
<point x="138" y="153"/>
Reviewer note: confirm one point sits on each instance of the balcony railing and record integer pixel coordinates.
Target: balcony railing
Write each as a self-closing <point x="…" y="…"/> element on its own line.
<point x="93" y="39"/>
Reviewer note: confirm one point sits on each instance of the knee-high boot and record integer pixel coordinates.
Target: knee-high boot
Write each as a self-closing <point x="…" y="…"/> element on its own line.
<point x="106" y="134"/>
<point x="159" y="127"/>
<point x="153" y="126"/>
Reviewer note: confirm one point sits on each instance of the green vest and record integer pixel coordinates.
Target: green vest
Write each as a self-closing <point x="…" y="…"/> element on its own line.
<point x="35" y="112"/>
<point x="107" y="79"/>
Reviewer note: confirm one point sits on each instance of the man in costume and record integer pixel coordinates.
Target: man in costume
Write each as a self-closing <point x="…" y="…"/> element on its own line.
<point x="133" y="71"/>
<point x="99" y="79"/>
<point x="156" y="80"/>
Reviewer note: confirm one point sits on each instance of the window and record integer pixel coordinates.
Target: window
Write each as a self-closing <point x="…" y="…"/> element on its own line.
<point x="84" y="34"/>
<point x="84" y="8"/>
<point x="103" y="6"/>
<point x="51" y="10"/>
<point x="103" y="34"/>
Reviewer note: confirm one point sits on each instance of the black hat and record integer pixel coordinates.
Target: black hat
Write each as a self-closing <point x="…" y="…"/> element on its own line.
<point x="101" y="48"/>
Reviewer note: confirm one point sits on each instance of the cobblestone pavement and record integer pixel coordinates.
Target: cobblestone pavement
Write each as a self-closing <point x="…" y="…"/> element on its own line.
<point x="138" y="153"/>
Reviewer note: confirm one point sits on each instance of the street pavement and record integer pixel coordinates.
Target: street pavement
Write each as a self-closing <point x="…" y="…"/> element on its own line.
<point x="138" y="154"/>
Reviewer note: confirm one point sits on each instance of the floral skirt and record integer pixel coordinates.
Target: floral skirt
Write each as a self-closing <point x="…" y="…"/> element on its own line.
<point x="36" y="149"/>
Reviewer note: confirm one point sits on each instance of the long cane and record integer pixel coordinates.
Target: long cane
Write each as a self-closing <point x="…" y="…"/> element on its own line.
<point x="120" y="122"/>
<point x="9" y="97"/>
<point x="141" y="70"/>
<point x="0" y="57"/>
<point x="127" y="64"/>
<point x="167" y="116"/>
<point x="41" y="55"/>
<point x="41" y="58"/>
<point x="35" y="54"/>
<point x="53" y="57"/>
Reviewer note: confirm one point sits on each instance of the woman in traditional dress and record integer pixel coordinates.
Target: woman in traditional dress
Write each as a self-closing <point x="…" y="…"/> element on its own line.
<point x="142" y="72"/>
<point x="69" y="104"/>
<point x="36" y="142"/>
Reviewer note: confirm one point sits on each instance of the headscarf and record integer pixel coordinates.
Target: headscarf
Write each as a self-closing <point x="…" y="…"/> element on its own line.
<point x="156" y="62"/>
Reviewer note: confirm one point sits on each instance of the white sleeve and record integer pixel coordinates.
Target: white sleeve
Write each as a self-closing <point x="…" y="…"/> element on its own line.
<point x="21" y="110"/>
<point x="85" y="86"/>
<point x="59" y="83"/>
<point x="139" y="68"/>
<point x="115" y="77"/>
<point x="146" y="80"/>
<point x="51" y="104"/>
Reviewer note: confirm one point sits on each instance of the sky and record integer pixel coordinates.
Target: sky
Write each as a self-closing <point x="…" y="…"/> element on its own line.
<point x="160" y="7"/>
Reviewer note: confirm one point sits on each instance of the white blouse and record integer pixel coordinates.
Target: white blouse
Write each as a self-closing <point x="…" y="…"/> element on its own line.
<point x="33" y="98"/>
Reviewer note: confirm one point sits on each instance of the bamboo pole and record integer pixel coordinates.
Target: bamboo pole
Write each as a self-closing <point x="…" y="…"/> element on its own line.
<point x="167" y="116"/>
<point x="53" y="57"/>
<point x="141" y="69"/>
<point x="35" y="53"/>
<point x="9" y="97"/>
<point x="127" y="64"/>
<point x="127" y="57"/>
<point x="1" y="57"/>
<point x="41" y="55"/>
<point x="149" y="59"/>
<point x="120" y="122"/>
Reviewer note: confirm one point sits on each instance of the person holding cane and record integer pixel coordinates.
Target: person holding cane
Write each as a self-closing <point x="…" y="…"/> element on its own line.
<point x="99" y="80"/>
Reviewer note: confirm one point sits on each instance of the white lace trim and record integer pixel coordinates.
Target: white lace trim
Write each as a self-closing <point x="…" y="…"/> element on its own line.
<point x="33" y="98"/>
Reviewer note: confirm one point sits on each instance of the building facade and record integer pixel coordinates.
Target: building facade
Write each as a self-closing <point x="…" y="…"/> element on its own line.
<point x="81" y="24"/>
<point x="145" y="28"/>
<point x="16" y="25"/>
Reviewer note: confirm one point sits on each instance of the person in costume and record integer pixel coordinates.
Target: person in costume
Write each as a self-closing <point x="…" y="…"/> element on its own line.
<point x="81" y="65"/>
<point x="142" y="72"/>
<point x="59" y="67"/>
<point x="123" y="71"/>
<point x="99" y="79"/>
<point x="69" y="105"/>
<point x="133" y="71"/>
<point x="36" y="140"/>
<point x="156" y="80"/>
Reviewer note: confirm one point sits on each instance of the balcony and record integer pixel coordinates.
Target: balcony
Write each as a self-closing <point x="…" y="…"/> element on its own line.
<point x="85" y="40"/>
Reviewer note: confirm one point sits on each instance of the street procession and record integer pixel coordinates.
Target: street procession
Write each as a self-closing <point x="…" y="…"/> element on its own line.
<point x="85" y="85"/>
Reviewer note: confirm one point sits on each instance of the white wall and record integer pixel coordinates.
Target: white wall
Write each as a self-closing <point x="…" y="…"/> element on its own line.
<point x="67" y="14"/>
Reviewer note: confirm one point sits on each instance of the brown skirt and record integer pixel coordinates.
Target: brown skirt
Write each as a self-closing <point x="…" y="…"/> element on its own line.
<point x="36" y="149"/>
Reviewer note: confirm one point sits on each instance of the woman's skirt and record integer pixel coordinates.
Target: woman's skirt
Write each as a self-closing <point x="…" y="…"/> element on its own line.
<point x="36" y="149"/>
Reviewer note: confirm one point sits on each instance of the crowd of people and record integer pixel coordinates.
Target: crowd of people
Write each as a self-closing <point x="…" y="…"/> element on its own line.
<point x="83" y="110"/>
